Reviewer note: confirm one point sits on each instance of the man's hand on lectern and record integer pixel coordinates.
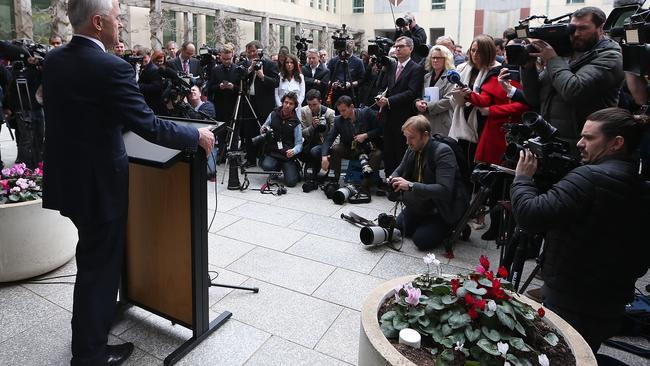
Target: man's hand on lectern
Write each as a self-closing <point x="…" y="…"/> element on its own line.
<point x="206" y="139"/>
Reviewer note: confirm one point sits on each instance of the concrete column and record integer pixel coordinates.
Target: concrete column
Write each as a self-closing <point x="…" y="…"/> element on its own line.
<point x="155" y="25"/>
<point x="323" y="34"/>
<point x="218" y="27"/>
<point x="264" y="31"/>
<point x="180" y="26"/>
<point x="23" y="18"/>
<point x="188" y="27"/>
<point x="200" y="31"/>
<point x="125" y="31"/>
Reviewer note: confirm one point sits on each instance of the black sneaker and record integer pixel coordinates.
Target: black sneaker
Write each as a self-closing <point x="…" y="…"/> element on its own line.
<point x="250" y="164"/>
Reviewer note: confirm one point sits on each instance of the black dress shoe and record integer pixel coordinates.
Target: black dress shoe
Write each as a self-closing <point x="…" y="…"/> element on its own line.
<point x="250" y="164"/>
<point x="117" y="354"/>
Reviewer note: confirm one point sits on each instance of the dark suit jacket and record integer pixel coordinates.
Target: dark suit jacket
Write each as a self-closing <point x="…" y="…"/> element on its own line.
<point x="90" y="97"/>
<point x="321" y="74"/>
<point x="366" y="122"/>
<point x="223" y="99"/>
<point x="264" y="99"/>
<point x="151" y="83"/>
<point x="195" y="65"/>
<point x="401" y="94"/>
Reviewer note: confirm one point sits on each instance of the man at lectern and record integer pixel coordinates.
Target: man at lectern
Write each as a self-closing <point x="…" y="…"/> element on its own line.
<point x="90" y="97"/>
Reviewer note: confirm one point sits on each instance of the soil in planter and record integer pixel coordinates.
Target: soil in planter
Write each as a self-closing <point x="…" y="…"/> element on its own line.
<point x="560" y="354"/>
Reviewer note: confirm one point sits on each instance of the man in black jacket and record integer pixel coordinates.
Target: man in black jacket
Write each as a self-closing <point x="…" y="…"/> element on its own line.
<point x="346" y="73"/>
<point x="405" y="79"/>
<point x="185" y="63"/>
<point x="434" y="195"/>
<point x="316" y="75"/>
<point x="224" y="85"/>
<point x="150" y="82"/>
<point x="359" y="133"/>
<point x="594" y="220"/>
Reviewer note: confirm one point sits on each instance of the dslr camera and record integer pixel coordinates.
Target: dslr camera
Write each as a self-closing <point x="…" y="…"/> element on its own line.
<point x="404" y="21"/>
<point x="263" y="138"/>
<point x="556" y="32"/>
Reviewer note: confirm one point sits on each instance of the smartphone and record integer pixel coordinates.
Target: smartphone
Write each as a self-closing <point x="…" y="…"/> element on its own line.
<point x="513" y="70"/>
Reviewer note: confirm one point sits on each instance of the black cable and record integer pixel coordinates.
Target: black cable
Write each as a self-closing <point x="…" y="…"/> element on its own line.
<point x="52" y="278"/>
<point x="216" y="201"/>
<point x="215" y="277"/>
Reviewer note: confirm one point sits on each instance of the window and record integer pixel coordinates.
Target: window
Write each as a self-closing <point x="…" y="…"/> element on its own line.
<point x="575" y="1"/>
<point x="41" y="19"/>
<point x="258" y="30"/>
<point x="210" y="35"/>
<point x="7" y="19"/>
<point x="438" y="4"/>
<point x="320" y="4"/>
<point x="327" y="5"/>
<point x="169" y="26"/>
<point x="282" y="31"/>
<point x="357" y="6"/>
<point x="311" y="3"/>
<point x="334" y="6"/>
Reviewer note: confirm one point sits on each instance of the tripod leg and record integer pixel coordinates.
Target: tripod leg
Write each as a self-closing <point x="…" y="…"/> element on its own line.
<point x="474" y="206"/>
<point x="530" y="278"/>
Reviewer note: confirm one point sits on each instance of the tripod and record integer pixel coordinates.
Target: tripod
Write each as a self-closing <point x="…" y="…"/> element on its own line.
<point x="343" y="60"/>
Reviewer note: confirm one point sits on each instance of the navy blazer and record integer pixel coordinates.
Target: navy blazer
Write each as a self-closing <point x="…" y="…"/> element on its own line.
<point x="90" y="98"/>
<point x="195" y="65"/>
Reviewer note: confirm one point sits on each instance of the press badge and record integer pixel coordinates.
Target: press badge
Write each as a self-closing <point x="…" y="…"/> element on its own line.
<point x="279" y="145"/>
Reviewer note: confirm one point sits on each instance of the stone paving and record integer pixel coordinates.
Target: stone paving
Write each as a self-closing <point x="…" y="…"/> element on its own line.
<point x="311" y="269"/>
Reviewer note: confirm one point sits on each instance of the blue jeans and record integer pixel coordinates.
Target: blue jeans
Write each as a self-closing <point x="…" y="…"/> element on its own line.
<point x="289" y="169"/>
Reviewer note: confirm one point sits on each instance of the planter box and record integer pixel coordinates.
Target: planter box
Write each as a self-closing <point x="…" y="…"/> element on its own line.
<point x="375" y="349"/>
<point x="33" y="240"/>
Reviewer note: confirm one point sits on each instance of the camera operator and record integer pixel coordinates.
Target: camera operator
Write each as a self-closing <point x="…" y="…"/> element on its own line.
<point x="223" y="85"/>
<point x="359" y="132"/>
<point x="342" y="82"/>
<point x="568" y="90"/>
<point x="283" y="140"/>
<point x="317" y="120"/>
<point x="316" y="75"/>
<point x="407" y="27"/>
<point x="434" y="195"/>
<point x="185" y="63"/>
<point x="594" y="220"/>
<point x="150" y="82"/>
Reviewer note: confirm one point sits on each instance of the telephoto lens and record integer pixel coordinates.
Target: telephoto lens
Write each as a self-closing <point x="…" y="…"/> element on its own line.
<point x="377" y="235"/>
<point x="343" y="194"/>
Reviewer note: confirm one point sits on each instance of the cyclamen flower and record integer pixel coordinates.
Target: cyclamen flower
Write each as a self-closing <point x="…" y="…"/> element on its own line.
<point x="429" y="258"/>
<point x="503" y="348"/>
<point x="489" y="275"/>
<point x="502" y="272"/>
<point x="397" y="290"/>
<point x="4" y="185"/>
<point x="6" y="172"/>
<point x="22" y="183"/>
<point x="480" y="269"/>
<point x="459" y="346"/>
<point x="543" y="360"/>
<point x="506" y="363"/>
<point x="492" y="305"/>
<point x="14" y="190"/>
<point x="413" y="297"/>
<point x="485" y="262"/>
<point x="455" y="284"/>
<point x="19" y="169"/>
<point x="541" y="312"/>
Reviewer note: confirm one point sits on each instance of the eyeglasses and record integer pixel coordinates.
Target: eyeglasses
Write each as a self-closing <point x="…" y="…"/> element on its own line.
<point x="400" y="46"/>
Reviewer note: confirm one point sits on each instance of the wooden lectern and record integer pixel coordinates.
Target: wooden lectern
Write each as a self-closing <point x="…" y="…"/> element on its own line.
<point x="166" y="258"/>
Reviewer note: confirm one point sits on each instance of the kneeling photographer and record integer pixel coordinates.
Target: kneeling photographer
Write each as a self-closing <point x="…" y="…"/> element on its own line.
<point x="594" y="220"/>
<point x="359" y="131"/>
<point x="316" y="120"/>
<point x="434" y="195"/>
<point x="281" y="135"/>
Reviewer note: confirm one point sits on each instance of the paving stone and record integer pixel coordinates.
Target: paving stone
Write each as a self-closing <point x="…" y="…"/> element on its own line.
<point x="394" y="265"/>
<point x="285" y="313"/>
<point x="279" y="352"/>
<point x="157" y="336"/>
<point x="369" y="213"/>
<point x="222" y="250"/>
<point x="225" y="277"/>
<point x="260" y="233"/>
<point x="249" y="194"/>
<point x="224" y="202"/>
<point x="282" y="269"/>
<point x="221" y="220"/>
<point x="22" y="309"/>
<point x="60" y="294"/>
<point x="347" y="288"/>
<point x="232" y="344"/>
<point x="271" y="214"/>
<point x="338" y="253"/>
<point x="328" y="227"/>
<point x="313" y="202"/>
<point x="128" y="318"/>
<point x="342" y="339"/>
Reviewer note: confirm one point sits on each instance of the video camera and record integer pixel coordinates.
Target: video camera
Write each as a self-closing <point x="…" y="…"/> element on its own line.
<point x="206" y="60"/>
<point x="629" y="25"/>
<point x="379" y="51"/>
<point x="20" y="50"/>
<point x="177" y="87"/>
<point x="341" y="39"/>
<point x="132" y="58"/>
<point x="301" y="46"/>
<point x="538" y="136"/>
<point x="555" y="34"/>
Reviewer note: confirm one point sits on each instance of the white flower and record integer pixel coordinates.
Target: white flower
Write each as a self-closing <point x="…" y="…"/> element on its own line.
<point x="14" y="190"/>
<point x="506" y="363"/>
<point x="430" y="258"/>
<point x="503" y="348"/>
<point x="459" y="346"/>
<point x="543" y="360"/>
<point x="491" y="305"/>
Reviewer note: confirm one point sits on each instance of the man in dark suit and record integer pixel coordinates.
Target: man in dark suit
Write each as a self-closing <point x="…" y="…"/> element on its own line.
<point x="223" y="85"/>
<point x="185" y="63"/>
<point x="150" y="82"/>
<point x="316" y="74"/>
<point x="84" y="143"/>
<point x="342" y="82"/>
<point x="405" y="78"/>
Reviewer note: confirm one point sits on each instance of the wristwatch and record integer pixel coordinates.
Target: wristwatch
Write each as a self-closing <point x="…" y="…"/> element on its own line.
<point x="410" y="186"/>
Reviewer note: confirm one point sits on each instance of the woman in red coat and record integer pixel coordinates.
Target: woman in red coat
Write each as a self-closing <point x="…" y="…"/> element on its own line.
<point x="493" y="103"/>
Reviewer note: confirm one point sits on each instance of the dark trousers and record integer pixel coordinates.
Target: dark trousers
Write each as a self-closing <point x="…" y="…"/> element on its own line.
<point x="339" y="152"/>
<point x="427" y="231"/>
<point x="394" y="149"/>
<point x="289" y="169"/>
<point x="30" y="144"/>
<point x="100" y="253"/>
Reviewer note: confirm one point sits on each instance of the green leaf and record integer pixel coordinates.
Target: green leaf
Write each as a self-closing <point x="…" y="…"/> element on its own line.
<point x="458" y="337"/>
<point x="399" y="323"/>
<point x="448" y="342"/>
<point x="389" y="315"/>
<point x="447" y="355"/>
<point x="472" y="287"/>
<point x="461" y="292"/>
<point x="13" y="198"/>
<point x="446" y="330"/>
<point x="448" y="299"/>
<point x="492" y="334"/>
<point x="485" y="282"/>
<point x="459" y="321"/>
<point x="472" y="334"/>
<point x="433" y="305"/>
<point x="506" y="308"/>
<point x="488" y="347"/>
<point x="472" y="363"/>
<point x="519" y="344"/>
<point x="447" y="314"/>
<point x="551" y="338"/>
<point x="520" y="328"/>
<point x="434" y="351"/>
<point x="424" y="321"/>
<point x="388" y="330"/>
<point x="428" y="329"/>
<point x="436" y="335"/>
<point x="506" y="320"/>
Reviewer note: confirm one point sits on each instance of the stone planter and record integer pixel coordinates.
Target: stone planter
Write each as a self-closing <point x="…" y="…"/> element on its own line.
<point x="33" y="240"/>
<point x="375" y="349"/>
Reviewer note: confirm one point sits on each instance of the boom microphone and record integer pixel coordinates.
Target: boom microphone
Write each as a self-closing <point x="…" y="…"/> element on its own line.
<point x="454" y="77"/>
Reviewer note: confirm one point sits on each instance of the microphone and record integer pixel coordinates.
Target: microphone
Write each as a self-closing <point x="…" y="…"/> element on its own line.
<point x="454" y="77"/>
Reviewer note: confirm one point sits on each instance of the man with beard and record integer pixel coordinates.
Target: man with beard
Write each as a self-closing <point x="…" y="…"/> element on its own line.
<point x="571" y="88"/>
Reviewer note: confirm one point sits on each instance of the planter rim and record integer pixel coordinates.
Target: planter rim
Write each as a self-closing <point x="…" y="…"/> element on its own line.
<point x="20" y="204"/>
<point x="370" y="326"/>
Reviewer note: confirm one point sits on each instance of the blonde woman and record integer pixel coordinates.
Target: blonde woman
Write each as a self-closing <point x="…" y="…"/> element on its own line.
<point x="439" y="112"/>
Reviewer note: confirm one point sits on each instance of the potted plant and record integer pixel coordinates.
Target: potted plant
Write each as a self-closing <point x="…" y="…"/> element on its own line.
<point x="473" y="319"/>
<point x="33" y="240"/>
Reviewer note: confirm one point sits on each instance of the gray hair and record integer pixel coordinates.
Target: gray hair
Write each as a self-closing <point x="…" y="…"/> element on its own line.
<point x="445" y="38"/>
<point x="80" y="11"/>
<point x="407" y="40"/>
<point x="312" y="50"/>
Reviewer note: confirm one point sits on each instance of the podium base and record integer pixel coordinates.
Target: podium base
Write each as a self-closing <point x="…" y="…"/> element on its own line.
<point x="189" y="345"/>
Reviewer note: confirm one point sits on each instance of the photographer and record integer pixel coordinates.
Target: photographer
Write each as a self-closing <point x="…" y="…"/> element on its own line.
<point x="283" y="140"/>
<point x="224" y="85"/>
<point x="594" y="220"/>
<point x="434" y="195"/>
<point x="150" y="82"/>
<point x="342" y="81"/>
<point x="407" y="27"/>
<point x="359" y="132"/>
<point x="568" y="90"/>
<point x="316" y="121"/>
<point x="316" y="75"/>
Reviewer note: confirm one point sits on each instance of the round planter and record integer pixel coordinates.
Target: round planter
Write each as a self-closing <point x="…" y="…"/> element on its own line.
<point x="33" y="240"/>
<point x="375" y="349"/>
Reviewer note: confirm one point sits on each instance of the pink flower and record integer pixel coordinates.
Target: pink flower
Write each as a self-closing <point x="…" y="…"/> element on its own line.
<point x="480" y="269"/>
<point x="6" y="172"/>
<point x="413" y="297"/>
<point x="484" y="262"/>
<point x="4" y="185"/>
<point x="15" y="190"/>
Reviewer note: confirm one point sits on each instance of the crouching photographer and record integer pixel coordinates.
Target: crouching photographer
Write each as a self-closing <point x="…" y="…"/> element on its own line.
<point x="594" y="219"/>
<point x="434" y="195"/>
<point x="281" y="135"/>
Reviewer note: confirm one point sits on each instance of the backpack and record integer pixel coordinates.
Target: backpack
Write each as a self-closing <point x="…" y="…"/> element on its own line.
<point x="461" y="159"/>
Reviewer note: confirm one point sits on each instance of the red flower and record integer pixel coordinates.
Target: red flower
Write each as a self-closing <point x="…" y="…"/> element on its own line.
<point x="503" y="272"/>
<point x="541" y="312"/>
<point x="496" y="284"/>
<point x="484" y="262"/>
<point x="472" y="313"/>
<point x="480" y="304"/>
<point x="489" y="275"/>
<point x="455" y="284"/>
<point x="469" y="299"/>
